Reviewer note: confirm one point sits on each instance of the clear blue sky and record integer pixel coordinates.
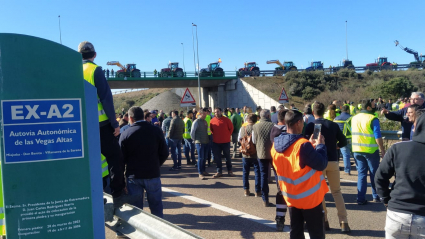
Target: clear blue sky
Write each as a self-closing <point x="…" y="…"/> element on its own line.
<point x="150" y="33"/>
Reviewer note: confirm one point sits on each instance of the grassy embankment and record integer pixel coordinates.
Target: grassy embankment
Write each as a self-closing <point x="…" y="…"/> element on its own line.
<point x="137" y="98"/>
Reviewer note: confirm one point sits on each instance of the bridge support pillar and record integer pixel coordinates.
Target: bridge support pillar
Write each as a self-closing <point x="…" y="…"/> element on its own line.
<point x="205" y="97"/>
<point x="222" y="96"/>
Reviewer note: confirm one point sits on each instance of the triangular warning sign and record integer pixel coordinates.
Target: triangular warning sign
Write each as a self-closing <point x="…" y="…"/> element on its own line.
<point x="283" y="98"/>
<point x="187" y="99"/>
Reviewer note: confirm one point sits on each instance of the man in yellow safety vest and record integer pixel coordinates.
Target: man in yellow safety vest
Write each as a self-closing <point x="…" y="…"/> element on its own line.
<point x="108" y="126"/>
<point x="366" y="144"/>
<point x="188" y="143"/>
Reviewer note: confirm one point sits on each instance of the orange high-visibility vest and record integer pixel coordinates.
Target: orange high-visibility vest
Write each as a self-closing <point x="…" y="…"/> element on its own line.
<point x="302" y="188"/>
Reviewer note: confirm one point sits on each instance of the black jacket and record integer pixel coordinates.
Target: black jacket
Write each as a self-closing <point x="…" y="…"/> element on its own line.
<point x="333" y="136"/>
<point x="276" y="131"/>
<point x="144" y="150"/>
<point x="400" y="115"/>
<point x="405" y="161"/>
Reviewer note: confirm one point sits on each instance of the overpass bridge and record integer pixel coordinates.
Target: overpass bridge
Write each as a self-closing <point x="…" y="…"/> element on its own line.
<point x="149" y="80"/>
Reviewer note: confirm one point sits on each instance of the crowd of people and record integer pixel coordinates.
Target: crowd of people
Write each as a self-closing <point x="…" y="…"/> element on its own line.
<point x="302" y="148"/>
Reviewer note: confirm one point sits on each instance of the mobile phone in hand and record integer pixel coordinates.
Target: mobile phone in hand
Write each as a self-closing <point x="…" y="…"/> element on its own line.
<point x="317" y="129"/>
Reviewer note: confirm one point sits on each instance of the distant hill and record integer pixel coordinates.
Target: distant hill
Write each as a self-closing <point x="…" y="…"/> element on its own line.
<point x="137" y="98"/>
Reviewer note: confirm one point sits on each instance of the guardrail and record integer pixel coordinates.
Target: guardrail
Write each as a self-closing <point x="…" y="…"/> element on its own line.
<point x="135" y="223"/>
<point x="391" y="135"/>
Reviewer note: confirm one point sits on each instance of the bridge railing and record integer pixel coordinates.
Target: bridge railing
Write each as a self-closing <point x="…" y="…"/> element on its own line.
<point x="114" y="75"/>
<point x="135" y="223"/>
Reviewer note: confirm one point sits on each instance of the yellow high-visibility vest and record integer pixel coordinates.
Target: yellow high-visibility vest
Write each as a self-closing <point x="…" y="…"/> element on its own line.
<point x="105" y="171"/>
<point x="88" y="70"/>
<point x="186" y="134"/>
<point x="353" y="110"/>
<point x="363" y="139"/>
<point x="208" y="119"/>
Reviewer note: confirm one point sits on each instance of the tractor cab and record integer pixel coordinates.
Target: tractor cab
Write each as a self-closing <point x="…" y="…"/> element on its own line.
<point x="214" y="65"/>
<point x="347" y="63"/>
<point x="173" y="65"/>
<point x="316" y="64"/>
<point x="131" y="67"/>
<point x="288" y="64"/>
<point x="382" y="60"/>
<point x="249" y="65"/>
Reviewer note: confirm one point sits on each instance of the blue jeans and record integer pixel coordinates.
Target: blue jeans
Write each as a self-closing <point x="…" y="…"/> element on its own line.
<point x="404" y="226"/>
<point x="366" y="162"/>
<point x="202" y="154"/>
<point x="247" y="163"/>
<point x="210" y="149"/>
<point x="346" y="155"/>
<point x="264" y="172"/>
<point x="188" y="145"/>
<point x="176" y="151"/>
<point x="225" y="148"/>
<point x="137" y="187"/>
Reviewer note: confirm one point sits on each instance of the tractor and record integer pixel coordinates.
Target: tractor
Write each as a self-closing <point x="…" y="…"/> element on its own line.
<point x="173" y="70"/>
<point x="315" y="65"/>
<point x="347" y="64"/>
<point x="419" y="59"/>
<point x="282" y="68"/>
<point x="250" y="69"/>
<point x="213" y="70"/>
<point x="129" y="70"/>
<point x="380" y="63"/>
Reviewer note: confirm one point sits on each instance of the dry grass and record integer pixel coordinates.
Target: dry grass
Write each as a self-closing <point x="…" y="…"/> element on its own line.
<point x="126" y="100"/>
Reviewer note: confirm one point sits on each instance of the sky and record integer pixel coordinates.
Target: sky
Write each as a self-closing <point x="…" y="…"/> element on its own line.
<point x="150" y="33"/>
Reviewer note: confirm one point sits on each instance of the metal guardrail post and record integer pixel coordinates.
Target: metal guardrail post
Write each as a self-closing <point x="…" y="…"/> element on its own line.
<point x="135" y="223"/>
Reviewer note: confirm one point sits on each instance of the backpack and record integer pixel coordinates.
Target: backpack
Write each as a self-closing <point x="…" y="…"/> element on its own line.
<point x="247" y="146"/>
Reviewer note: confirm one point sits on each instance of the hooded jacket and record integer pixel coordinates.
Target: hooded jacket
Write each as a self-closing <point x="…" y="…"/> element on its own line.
<point x="315" y="158"/>
<point x="404" y="160"/>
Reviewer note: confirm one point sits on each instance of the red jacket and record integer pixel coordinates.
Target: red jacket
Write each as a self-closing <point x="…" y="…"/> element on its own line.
<point x="221" y="129"/>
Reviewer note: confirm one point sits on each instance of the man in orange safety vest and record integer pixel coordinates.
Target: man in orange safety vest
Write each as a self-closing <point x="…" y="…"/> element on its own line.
<point x="299" y="164"/>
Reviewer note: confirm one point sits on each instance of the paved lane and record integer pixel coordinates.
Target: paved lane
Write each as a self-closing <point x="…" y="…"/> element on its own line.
<point x="217" y="208"/>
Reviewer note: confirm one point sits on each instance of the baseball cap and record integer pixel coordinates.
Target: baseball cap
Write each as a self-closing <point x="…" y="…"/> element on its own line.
<point x="153" y="112"/>
<point x="189" y="112"/>
<point x="85" y="47"/>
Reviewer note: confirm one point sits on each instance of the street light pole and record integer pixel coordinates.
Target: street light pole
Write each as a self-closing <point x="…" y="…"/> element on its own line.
<point x="193" y="44"/>
<point x="184" y="68"/>
<point x="346" y="41"/>
<point x="60" y="32"/>
<point x="199" y="75"/>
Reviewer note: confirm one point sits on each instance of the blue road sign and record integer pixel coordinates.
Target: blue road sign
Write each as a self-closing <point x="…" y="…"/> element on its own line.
<point x="40" y="130"/>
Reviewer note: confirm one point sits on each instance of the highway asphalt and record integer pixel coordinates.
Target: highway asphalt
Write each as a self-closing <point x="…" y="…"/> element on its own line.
<point x="217" y="208"/>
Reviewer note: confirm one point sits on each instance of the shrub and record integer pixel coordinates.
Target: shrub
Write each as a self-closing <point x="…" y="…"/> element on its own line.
<point x="397" y="87"/>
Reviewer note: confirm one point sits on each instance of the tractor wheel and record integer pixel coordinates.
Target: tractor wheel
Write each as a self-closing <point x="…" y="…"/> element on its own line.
<point x="218" y="73"/>
<point x="293" y="68"/>
<point x="164" y="74"/>
<point x="121" y="75"/>
<point x="135" y="74"/>
<point x="179" y="73"/>
<point x="256" y="73"/>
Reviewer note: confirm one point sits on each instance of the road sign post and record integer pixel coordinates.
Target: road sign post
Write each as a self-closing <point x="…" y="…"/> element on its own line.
<point x="50" y="149"/>
<point x="187" y="99"/>
<point x="283" y="98"/>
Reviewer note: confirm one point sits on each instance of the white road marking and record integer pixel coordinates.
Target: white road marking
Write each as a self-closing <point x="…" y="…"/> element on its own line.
<point x="225" y="209"/>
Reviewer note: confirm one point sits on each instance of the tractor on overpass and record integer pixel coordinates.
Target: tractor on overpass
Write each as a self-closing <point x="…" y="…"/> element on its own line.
<point x="346" y="64"/>
<point x="250" y="69"/>
<point x="419" y="60"/>
<point x="315" y="66"/>
<point x="213" y="70"/>
<point x="129" y="70"/>
<point x="282" y="68"/>
<point x="173" y="70"/>
<point x="380" y="64"/>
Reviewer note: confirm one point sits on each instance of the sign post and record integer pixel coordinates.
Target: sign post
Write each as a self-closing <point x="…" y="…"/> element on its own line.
<point x="50" y="156"/>
<point x="283" y="98"/>
<point x="187" y="99"/>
